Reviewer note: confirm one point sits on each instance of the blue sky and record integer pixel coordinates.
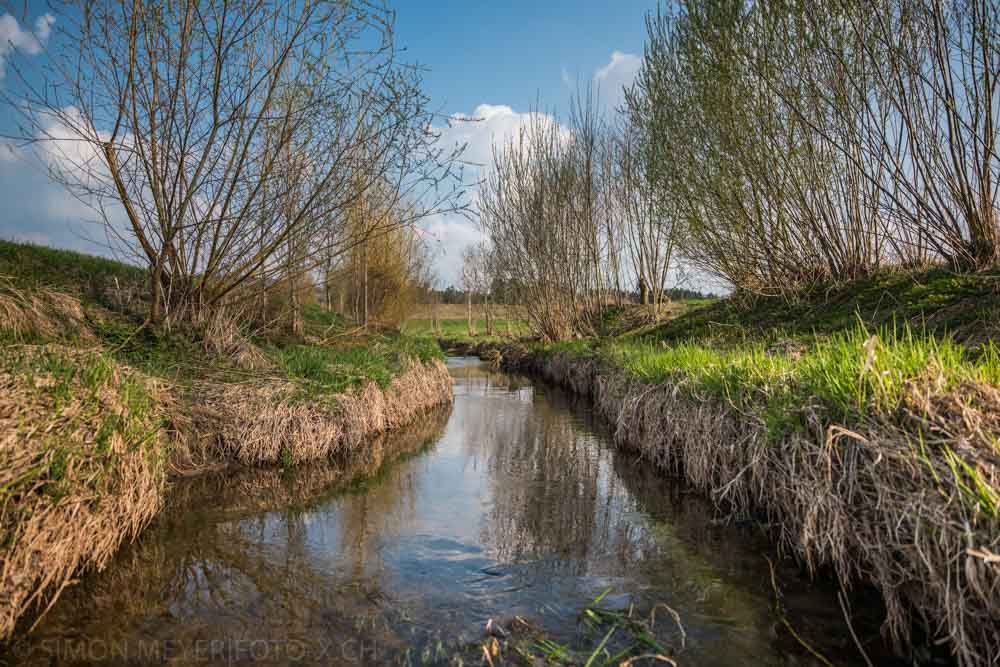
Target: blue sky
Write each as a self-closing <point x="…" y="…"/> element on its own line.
<point x="490" y="61"/>
<point x="497" y="61"/>
<point x="510" y="52"/>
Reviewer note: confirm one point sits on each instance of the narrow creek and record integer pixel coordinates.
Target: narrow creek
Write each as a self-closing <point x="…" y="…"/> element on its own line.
<point x="511" y="503"/>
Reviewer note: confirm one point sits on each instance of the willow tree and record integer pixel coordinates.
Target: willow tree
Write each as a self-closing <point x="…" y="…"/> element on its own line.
<point x="645" y="218"/>
<point x="806" y="142"/>
<point x="227" y="132"/>
<point x="544" y="206"/>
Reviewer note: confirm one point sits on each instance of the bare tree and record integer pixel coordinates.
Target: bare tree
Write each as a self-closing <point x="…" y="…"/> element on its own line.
<point x="544" y="206"/>
<point x="231" y="132"/>
<point x="469" y="279"/>
<point x="803" y="142"/>
<point x="647" y="222"/>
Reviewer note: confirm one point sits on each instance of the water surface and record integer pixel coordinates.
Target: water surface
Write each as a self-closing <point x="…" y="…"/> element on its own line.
<point x="511" y="503"/>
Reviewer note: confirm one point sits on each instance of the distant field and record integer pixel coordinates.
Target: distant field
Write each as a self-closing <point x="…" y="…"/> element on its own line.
<point x="458" y="329"/>
<point x="453" y="322"/>
<point x="458" y="311"/>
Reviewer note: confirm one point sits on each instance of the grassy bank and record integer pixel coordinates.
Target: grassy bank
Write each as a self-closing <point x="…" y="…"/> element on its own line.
<point x="98" y="411"/>
<point x="863" y="420"/>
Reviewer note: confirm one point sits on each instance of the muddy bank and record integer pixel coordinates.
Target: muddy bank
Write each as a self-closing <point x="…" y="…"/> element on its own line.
<point x="857" y="498"/>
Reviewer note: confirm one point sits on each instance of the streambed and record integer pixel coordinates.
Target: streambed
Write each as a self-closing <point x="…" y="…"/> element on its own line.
<point x="510" y="503"/>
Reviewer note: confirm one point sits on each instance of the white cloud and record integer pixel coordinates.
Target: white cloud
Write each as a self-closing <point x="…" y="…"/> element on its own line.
<point x="617" y="75"/>
<point x="15" y="38"/>
<point x="448" y="235"/>
<point x="487" y="126"/>
<point x="38" y="209"/>
<point x="43" y="27"/>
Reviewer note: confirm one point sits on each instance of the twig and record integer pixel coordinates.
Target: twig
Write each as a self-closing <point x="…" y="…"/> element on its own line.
<point x="847" y="617"/>
<point x="677" y="620"/>
<point x="777" y="608"/>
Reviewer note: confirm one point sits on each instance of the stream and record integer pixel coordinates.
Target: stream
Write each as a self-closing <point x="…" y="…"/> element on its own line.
<point x="511" y="503"/>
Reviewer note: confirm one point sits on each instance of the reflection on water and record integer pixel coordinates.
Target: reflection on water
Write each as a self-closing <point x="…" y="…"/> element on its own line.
<point x="511" y="503"/>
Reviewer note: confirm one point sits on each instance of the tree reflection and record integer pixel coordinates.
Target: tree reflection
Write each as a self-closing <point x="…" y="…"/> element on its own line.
<point x="234" y="558"/>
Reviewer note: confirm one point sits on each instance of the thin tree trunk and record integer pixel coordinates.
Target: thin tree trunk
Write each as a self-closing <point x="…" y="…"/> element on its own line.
<point x="468" y="299"/>
<point x="365" y="281"/>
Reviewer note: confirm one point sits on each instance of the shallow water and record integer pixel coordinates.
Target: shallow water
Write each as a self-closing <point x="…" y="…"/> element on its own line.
<point x="510" y="503"/>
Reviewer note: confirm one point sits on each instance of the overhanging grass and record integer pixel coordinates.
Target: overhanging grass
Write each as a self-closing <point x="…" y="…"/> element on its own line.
<point x="82" y="469"/>
<point x="852" y="374"/>
<point x="81" y="391"/>
<point x="334" y="369"/>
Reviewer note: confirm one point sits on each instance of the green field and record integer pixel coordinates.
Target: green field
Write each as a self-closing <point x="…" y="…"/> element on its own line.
<point x="458" y="329"/>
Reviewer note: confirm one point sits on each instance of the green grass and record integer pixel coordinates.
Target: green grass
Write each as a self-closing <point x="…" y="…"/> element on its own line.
<point x="318" y="321"/>
<point x="847" y="378"/>
<point x="75" y="390"/>
<point x="378" y="358"/>
<point x="938" y="301"/>
<point x="610" y="637"/>
<point x="343" y="362"/>
<point x="29" y="265"/>
<point x="458" y="329"/>
<point x="852" y="373"/>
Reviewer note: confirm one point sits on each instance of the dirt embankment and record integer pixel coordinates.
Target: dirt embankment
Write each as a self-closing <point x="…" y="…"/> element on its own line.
<point x="872" y="500"/>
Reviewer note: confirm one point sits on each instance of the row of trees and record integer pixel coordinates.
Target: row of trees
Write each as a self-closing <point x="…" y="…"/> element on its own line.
<point x="380" y="278"/>
<point x="772" y="144"/>
<point x="241" y="146"/>
<point x="800" y="141"/>
<point x="574" y="221"/>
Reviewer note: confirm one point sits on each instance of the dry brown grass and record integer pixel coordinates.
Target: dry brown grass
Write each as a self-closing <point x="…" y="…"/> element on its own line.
<point x="268" y="422"/>
<point x="890" y="501"/>
<point x="250" y="491"/>
<point x="223" y="337"/>
<point x="40" y="313"/>
<point x="81" y="469"/>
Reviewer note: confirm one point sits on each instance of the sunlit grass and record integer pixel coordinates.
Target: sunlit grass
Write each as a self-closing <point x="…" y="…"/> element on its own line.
<point x="351" y="364"/>
<point x="852" y="374"/>
<point x="458" y="329"/>
<point x="936" y="299"/>
<point x="851" y="378"/>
